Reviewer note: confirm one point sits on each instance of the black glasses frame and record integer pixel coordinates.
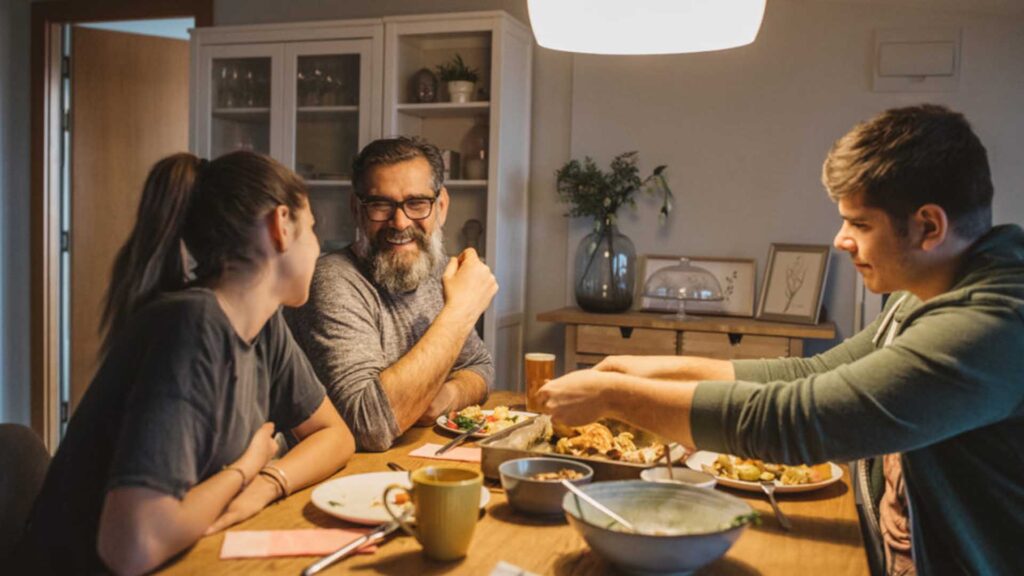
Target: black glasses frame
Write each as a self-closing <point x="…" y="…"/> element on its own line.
<point x="395" y="206"/>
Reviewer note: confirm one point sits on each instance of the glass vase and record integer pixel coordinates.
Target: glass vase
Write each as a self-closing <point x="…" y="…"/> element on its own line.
<point x="605" y="271"/>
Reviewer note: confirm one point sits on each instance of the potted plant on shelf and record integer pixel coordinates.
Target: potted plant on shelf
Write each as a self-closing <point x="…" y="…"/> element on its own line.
<point x="605" y="269"/>
<point x="460" y="79"/>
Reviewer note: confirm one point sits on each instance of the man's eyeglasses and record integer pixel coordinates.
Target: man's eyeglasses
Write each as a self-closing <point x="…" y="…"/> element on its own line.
<point x="384" y="210"/>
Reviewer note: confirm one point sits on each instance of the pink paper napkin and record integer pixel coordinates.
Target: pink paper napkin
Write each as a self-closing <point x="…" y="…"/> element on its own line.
<point x="268" y="543"/>
<point x="459" y="453"/>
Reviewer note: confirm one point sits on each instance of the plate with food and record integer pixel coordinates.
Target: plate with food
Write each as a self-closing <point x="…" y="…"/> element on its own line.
<point x="747" y="473"/>
<point x="360" y="498"/>
<point x="457" y="422"/>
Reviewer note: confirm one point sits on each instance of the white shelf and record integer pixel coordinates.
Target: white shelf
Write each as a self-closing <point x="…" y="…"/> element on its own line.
<point x="445" y="109"/>
<point x="465" y="183"/>
<point x="327" y="109"/>
<point x="241" y="112"/>
<point x="327" y="183"/>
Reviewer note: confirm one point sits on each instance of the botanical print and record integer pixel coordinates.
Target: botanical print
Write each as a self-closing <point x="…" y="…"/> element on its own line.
<point x="791" y="288"/>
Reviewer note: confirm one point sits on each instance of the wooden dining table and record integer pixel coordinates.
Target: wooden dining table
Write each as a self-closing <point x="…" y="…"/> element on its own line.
<point x="825" y="539"/>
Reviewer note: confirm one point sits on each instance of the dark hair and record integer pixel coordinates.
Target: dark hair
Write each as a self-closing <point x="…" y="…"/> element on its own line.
<point x="389" y="151"/>
<point x="212" y="209"/>
<point x="907" y="157"/>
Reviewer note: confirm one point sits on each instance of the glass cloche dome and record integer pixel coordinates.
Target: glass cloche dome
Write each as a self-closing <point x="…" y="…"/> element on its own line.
<point x="681" y="283"/>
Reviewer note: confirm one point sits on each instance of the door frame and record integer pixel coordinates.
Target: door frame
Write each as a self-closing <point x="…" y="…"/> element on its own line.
<point x="45" y="127"/>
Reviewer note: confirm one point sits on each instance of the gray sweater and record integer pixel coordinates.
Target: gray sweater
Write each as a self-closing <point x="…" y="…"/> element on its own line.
<point x="352" y="330"/>
<point x="947" y="393"/>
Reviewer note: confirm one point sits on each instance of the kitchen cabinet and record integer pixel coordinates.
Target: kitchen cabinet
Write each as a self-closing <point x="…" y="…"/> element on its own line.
<point x="313" y="94"/>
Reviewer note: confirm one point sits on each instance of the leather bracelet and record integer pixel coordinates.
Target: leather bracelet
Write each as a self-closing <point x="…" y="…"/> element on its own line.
<point x="245" y="481"/>
<point x="280" y="476"/>
<point x="273" y="480"/>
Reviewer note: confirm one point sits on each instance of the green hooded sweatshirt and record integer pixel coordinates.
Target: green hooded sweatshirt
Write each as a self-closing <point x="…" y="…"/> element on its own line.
<point x="947" y="393"/>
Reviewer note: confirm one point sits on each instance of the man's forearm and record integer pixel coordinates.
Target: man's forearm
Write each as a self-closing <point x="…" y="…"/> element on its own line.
<point x="412" y="382"/>
<point x="470" y="387"/>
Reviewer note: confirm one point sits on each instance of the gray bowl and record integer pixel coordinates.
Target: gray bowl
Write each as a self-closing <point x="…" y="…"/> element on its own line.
<point x="681" y="527"/>
<point x="538" y="496"/>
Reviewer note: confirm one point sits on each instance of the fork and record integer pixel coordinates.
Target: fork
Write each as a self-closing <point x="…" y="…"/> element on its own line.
<point x="768" y="487"/>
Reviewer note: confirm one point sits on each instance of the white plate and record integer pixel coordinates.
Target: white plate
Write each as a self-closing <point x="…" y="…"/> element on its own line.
<point x="358" y="498"/>
<point x="701" y="458"/>
<point x="442" y="422"/>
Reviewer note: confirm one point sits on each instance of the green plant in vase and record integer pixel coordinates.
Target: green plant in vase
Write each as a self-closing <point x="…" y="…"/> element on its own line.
<point x="460" y="78"/>
<point x="606" y="259"/>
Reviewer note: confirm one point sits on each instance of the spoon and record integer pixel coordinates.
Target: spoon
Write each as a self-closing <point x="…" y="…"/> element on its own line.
<point x="604" y="509"/>
<point x="768" y="487"/>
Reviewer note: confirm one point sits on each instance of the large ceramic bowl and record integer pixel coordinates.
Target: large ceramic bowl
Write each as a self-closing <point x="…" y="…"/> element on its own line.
<point x="532" y="496"/>
<point x="680" y="527"/>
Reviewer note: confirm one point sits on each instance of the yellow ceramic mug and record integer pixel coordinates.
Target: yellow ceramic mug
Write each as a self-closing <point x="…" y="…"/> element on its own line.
<point x="447" y="504"/>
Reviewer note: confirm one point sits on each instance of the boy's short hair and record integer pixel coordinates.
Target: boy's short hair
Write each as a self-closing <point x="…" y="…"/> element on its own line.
<point x="907" y="157"/>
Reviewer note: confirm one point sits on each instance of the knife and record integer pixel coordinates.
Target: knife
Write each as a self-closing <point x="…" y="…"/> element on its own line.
<point x="377" y="534"/>
<point x="460" y="438"/>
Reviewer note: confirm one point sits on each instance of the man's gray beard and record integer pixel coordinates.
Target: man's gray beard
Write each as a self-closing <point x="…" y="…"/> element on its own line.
<point x="388" y="271"/>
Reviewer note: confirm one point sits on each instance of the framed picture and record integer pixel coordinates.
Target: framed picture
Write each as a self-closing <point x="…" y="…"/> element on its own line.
<point x="794" y="283"/>
<point x="735" y="275"/>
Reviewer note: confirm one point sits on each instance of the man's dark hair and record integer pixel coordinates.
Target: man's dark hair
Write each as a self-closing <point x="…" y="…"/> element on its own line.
<point x="905" y="158"/>
<point x="389" y="151"/>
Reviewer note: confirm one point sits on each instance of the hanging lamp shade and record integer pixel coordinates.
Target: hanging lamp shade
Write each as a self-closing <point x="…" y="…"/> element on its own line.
<point x="644" y="26"/>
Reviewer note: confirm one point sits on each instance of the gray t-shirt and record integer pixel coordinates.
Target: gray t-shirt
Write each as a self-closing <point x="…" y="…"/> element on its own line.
<point x="352" y="330"/>
<point x="178" y="397"/>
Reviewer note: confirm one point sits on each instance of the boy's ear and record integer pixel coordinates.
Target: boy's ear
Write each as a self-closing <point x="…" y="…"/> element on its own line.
<point x="933" y="224"/>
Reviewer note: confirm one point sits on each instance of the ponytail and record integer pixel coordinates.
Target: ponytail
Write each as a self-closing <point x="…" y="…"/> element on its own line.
<point x="152" y="261"/>
<point x="214" y="209"/>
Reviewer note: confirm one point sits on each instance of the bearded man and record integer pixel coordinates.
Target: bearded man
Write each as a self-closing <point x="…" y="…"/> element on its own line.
<point x="389" y="324"/>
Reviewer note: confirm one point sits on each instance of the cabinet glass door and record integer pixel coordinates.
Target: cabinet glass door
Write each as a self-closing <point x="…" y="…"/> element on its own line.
<point x="328" y="99"/>
<point x="239" y="101"/>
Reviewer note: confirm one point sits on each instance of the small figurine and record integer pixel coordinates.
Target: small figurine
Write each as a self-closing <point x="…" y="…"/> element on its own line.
<point x="425" y="85"/>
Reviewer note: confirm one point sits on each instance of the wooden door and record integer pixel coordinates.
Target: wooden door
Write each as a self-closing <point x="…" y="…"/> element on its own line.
<point x="129" y="109"/>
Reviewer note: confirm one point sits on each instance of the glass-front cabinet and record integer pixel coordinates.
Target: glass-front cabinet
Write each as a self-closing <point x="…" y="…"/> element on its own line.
<point x="307" y="103"/>
<point x="312" y="94"/>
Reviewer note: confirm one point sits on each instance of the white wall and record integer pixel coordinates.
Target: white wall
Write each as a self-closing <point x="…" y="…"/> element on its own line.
<point x="744" y="131"/>
<point x="14" y="210"/>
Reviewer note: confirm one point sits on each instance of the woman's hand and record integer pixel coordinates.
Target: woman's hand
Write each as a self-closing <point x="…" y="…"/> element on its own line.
<point x="579" y="397"/>
<point x="261" y="449"/>
<point x="256" y="496"/>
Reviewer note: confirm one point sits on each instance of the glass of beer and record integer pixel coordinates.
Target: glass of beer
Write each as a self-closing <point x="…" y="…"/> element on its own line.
<point x="540" y="368"/>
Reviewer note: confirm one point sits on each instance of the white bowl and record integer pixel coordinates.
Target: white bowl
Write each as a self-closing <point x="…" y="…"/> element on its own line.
<point x="681" y="527"/>
<point x="679" y="474"/>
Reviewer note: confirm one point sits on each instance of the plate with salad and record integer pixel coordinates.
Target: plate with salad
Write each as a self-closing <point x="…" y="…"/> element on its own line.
<point x="495" y="420"/>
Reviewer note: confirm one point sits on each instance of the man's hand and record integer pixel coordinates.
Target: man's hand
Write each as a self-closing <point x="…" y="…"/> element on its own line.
<point x="469" y="286"/>
<point x="579" y="397"/>
<point x="446" y="399"/>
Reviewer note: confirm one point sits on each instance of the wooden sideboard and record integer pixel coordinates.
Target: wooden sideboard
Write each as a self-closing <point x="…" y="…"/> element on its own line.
<point x="589" y="337"/>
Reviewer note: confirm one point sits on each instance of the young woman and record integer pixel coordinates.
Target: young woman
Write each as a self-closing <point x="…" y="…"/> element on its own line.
<point x="174" y="437"/>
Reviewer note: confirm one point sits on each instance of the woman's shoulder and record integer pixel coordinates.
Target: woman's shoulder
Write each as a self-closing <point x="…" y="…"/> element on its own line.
<point x="191" y="312"/>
